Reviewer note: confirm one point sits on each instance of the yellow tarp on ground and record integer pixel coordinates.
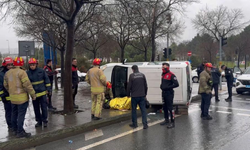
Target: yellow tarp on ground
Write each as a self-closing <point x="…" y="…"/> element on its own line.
<point x="123" y="103"/>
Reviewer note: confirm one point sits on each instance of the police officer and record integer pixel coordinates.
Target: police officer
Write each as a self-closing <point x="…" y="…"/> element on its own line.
<point x="42" y="86"/>
<point x="50" y="73"/>
<point x="97" y="80"/>
<point x="75" y="80"/>
<point x="4" y="95"/>
<point x="216" y="80"/>
<point x="17" y="83"/>
<point x="168" y="83"/>
<point x="230" y="79"/>
<point x="205" y="87"/>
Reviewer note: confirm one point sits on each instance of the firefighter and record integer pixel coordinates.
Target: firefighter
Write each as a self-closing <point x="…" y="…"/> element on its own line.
<point x="205" y="87"/>
<point x="50" y="73"/>
<point x="168" y="83"/>
<point x="4" y="95"/>
<point x="17" y="83"/>
<point x="75" y="80"/>
<point x="97" y="81"/>
<point x="42" y="86"/>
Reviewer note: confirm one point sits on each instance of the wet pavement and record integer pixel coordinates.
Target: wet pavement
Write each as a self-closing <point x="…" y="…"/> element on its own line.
<point x="57" y="121"/>
<point x="229" y="130"/>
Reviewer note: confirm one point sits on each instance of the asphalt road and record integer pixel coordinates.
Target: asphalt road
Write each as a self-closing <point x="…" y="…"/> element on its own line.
<point x="229" y="130"/>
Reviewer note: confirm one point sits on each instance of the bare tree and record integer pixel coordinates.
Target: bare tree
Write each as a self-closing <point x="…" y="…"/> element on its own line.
<point x="154" y="14"/>
<point x="67" y="11"/>
<point x="219" y="22"/>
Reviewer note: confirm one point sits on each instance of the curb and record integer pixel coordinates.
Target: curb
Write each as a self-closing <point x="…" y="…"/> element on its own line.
<point x="24" y="143"/>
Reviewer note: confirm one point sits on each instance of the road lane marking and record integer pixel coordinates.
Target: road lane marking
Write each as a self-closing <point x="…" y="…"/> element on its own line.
<point x="230" y="108"/>
<point x="224" y="112"/>
<point x="93" y="134"/>
<point x="126" y="133"/>
<point x="248" y="115"/>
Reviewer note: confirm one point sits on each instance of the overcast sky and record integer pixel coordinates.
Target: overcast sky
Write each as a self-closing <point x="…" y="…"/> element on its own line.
<point x="7" y="32"/>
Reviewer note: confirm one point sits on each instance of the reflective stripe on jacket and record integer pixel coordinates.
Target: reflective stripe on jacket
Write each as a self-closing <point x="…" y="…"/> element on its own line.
<point x="39" y="81"/>
<point x="97" y="80"/>
<point x="17" y="83"/>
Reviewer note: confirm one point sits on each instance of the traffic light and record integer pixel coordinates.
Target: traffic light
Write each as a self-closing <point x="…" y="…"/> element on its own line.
<point x="169" y="51"/>
<point x="223" y="41"/>
<point x="165" y="55"/>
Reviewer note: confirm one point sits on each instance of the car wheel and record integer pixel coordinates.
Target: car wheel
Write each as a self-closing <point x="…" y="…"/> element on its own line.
<point x="195" y="79"/>
<point x="58" y="79"/>
<point x="239" y="92"/>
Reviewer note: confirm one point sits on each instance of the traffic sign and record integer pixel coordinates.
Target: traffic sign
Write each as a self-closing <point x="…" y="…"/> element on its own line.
<point x="189" y="53"/>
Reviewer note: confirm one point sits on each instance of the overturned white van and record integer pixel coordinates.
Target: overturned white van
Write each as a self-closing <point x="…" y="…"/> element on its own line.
<point x="118" y="74"/>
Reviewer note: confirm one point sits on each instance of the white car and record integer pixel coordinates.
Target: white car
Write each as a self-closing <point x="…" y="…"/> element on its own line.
<point x="195" y="78"/>
<point x="243" y="82"/>
<point x="81" y="75"/>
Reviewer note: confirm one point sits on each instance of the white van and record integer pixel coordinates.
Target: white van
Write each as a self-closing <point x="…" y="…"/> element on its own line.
<point x="118" y="74"/>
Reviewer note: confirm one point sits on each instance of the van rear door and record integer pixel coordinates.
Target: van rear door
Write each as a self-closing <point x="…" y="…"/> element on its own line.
<point x="119" y="81"/>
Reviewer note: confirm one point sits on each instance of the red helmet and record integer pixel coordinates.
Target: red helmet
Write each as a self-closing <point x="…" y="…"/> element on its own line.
<point x="109" y="85"/>
<point x="209" y="65"/>
<point x="18" y="61"/>
<point x="33" y="61"/>
<point x="6" y="61"/>
<point x="97" y="61"/>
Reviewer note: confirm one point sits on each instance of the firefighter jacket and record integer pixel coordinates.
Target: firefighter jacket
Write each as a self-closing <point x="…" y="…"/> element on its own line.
<point x="40" y="81"/>
<point x="4" y="95"/>
<point x="17" y="83"/>
<point x="49" y="72"/>
<point x="168" y="81"/>
<point x="97" y="80"/>
<point x="75" y="80"/>
<point x="205" y="85"/>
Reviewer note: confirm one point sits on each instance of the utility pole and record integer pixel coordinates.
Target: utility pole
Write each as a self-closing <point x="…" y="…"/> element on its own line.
<point x="168" y="57"/>
<point x="220" y="45"/>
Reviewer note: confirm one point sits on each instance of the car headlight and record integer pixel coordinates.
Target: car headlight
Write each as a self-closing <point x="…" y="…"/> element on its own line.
<point x="238" y="82"/>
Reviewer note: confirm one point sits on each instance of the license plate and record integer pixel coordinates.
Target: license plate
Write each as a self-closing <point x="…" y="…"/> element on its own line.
<point x="247" y="86"/>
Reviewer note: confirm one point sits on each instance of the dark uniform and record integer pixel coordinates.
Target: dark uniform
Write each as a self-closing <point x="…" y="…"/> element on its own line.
<point x="168" y="83"/>
<point x="41" y="85"/>
<point x="4" y="96"/>
<point x="216" y="81"/>
<point x="200" y="69"/>
<point x="75" y="81"/>
<point x="50" y="74"/>
<point x="230" y="79"/>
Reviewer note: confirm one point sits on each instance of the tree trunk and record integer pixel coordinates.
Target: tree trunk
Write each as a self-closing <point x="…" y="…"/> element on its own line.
<point x="122" y="53"/>
<point x="68" y="98"/>
<point x="54" y="67"/>
<point x="94" y="52"/>
<point x="238" y="63"/>
<point x="153" y="47"/>
<point x="62" y="66"/>
<point x="145" y="54"/>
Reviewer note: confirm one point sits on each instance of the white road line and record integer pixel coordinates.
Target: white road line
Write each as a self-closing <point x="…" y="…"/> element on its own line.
<point x="93" y="134"/>
<point x="241" y="101"/>
<point x="230" y="108"/>
<point x="224" y="112"/>
<point x="248" y="115"/>
<point x="124" y="134"/>
<point x="118" y="136"/>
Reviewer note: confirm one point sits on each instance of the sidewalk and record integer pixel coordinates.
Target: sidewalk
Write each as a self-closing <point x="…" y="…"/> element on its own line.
<point x="60" y="126"/>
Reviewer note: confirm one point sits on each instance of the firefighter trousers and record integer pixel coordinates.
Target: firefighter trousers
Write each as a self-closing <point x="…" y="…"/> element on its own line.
<point x="97" y="102"/>
<point x="40" y="104"/>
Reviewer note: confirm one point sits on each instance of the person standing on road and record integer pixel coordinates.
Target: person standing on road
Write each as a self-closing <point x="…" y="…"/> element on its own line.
<point x="42" y="86"/>
<point x="137" y="89"/>
<point x="230" y="79"/>
<point x="216" y="81"/>
<point x="17" y="83"/>
<point x="75" y="80"/>
<point x="168" y="83"/>
<point x="97" y="80"/>
<point x="201" y="68"/>
<point x="4" y="95"/>
<point x="205" y="87"/>
<point x="50" y="73"/>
